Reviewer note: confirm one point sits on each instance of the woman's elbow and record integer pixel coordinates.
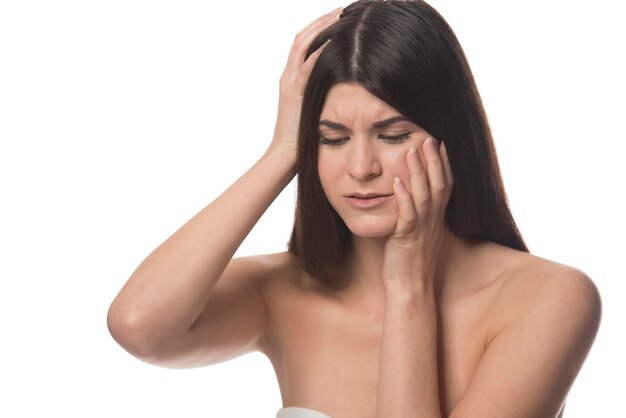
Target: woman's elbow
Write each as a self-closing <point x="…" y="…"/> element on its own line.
<point x="128" y="330"/>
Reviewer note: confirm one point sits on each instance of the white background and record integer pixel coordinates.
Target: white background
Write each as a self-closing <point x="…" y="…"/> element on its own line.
<point x="120" y="120"/>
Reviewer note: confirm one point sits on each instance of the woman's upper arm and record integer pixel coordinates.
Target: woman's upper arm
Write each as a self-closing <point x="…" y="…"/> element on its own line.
<point x="234" y="320"/>
<point x="530" y="365"/>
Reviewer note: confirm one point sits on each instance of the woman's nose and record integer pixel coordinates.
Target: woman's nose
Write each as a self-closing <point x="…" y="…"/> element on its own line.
<point x="363" y="162"/>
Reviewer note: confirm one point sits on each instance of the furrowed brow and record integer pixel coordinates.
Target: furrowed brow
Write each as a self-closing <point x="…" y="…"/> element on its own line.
<point x="380" y="124"/>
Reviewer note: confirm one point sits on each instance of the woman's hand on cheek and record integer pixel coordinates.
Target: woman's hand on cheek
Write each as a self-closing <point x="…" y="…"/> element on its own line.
<point x="412" y="251"/>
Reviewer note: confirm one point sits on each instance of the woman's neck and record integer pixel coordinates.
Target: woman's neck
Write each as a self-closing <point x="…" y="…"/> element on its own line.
<point x="364" y="267"/>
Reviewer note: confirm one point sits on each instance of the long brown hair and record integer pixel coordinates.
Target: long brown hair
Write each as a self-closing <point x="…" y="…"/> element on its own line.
<point x="404" y="53"/>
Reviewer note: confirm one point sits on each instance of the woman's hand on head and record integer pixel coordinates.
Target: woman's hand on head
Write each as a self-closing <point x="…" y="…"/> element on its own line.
<point x="412" y="251"/>
<point x="293" y="81"/>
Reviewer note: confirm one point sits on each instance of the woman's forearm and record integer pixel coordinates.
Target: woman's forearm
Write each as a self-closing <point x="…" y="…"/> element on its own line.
<point x="167" y="292"/>
<point x="408" y="381"/>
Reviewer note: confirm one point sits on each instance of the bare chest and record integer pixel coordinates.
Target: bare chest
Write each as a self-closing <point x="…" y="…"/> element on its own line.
<point x="326" y="355"/>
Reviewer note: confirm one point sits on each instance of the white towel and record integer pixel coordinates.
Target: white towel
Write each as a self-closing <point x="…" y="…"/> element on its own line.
<point x="295" y="412"/>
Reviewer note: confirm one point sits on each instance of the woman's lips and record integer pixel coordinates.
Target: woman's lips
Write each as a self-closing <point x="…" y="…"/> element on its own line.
<point x="367" y="203"/>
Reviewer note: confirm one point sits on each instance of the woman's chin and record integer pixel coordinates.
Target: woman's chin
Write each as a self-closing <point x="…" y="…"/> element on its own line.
<point x="371" y="229"/>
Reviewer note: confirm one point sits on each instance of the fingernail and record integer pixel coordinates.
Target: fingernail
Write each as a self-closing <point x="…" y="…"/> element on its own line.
<point x="413" y="151"/>
<point x="430" y="142"/>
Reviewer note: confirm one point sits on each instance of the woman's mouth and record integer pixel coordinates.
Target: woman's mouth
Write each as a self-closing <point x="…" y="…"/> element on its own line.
<point x="369" y="201"/>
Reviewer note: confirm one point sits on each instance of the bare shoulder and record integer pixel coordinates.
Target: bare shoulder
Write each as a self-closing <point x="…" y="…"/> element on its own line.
<point x="533" y="286"/>
<point x="266" y="267"/>
<point x="279" y="265"/>
<point x="544" y="320"/>
<point x="536" y="279"/>
<point x="265" y="271"/>
<point x="278" y="271"/>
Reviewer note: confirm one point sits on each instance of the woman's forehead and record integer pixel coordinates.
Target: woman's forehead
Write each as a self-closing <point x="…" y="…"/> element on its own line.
<point x="348" y="103"/>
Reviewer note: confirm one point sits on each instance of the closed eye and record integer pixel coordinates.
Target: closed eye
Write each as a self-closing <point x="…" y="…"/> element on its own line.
<point x="389" y="139"/>
<point x="395" y="138"/>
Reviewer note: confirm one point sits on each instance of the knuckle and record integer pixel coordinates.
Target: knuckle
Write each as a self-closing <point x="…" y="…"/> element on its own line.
<point x="410" y="217"/>
<point x="298" y="39"/>
<point x="439" y="188"/>
<point x="404" y="241"/>
<point x="403" y="227"/>
<point x="422" y="199"/>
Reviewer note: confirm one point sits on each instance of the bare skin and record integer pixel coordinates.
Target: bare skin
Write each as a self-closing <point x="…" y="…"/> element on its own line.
<point x="191" y="304"/>
<point x="325" y="342"/>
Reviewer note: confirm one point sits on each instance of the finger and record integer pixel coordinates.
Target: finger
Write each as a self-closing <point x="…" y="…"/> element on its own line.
<point x="306" y="36"/>
<point x="306" y="69"/>
<point x="419" y="182"/>
<point x="436" y="173"/>
<point x="322" y="21"/>
<point x="319" y="24"/>
<point x="406" y="209"/>
<point x="443" y="151"/>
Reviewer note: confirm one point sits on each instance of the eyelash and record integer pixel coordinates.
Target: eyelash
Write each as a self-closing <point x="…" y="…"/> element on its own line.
<point x="340" y="141"/>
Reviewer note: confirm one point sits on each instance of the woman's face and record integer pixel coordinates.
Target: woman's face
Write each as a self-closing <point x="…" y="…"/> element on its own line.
<point x="356" y="156"/>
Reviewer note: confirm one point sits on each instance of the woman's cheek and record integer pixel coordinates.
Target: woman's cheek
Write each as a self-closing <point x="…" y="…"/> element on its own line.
<point x="399" y="167"/>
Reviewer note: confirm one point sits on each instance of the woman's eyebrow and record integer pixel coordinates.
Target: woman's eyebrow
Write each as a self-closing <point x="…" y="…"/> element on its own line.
<point x="379" y="124"/>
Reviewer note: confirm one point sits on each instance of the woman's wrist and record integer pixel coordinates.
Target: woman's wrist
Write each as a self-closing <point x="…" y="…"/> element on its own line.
<point x="283" y="152"/>
<point x="282" y="158"/>
<point x="409" y="291"/>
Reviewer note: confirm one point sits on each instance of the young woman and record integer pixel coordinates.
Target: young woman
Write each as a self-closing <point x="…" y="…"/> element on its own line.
<point x="406" y="290"/>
